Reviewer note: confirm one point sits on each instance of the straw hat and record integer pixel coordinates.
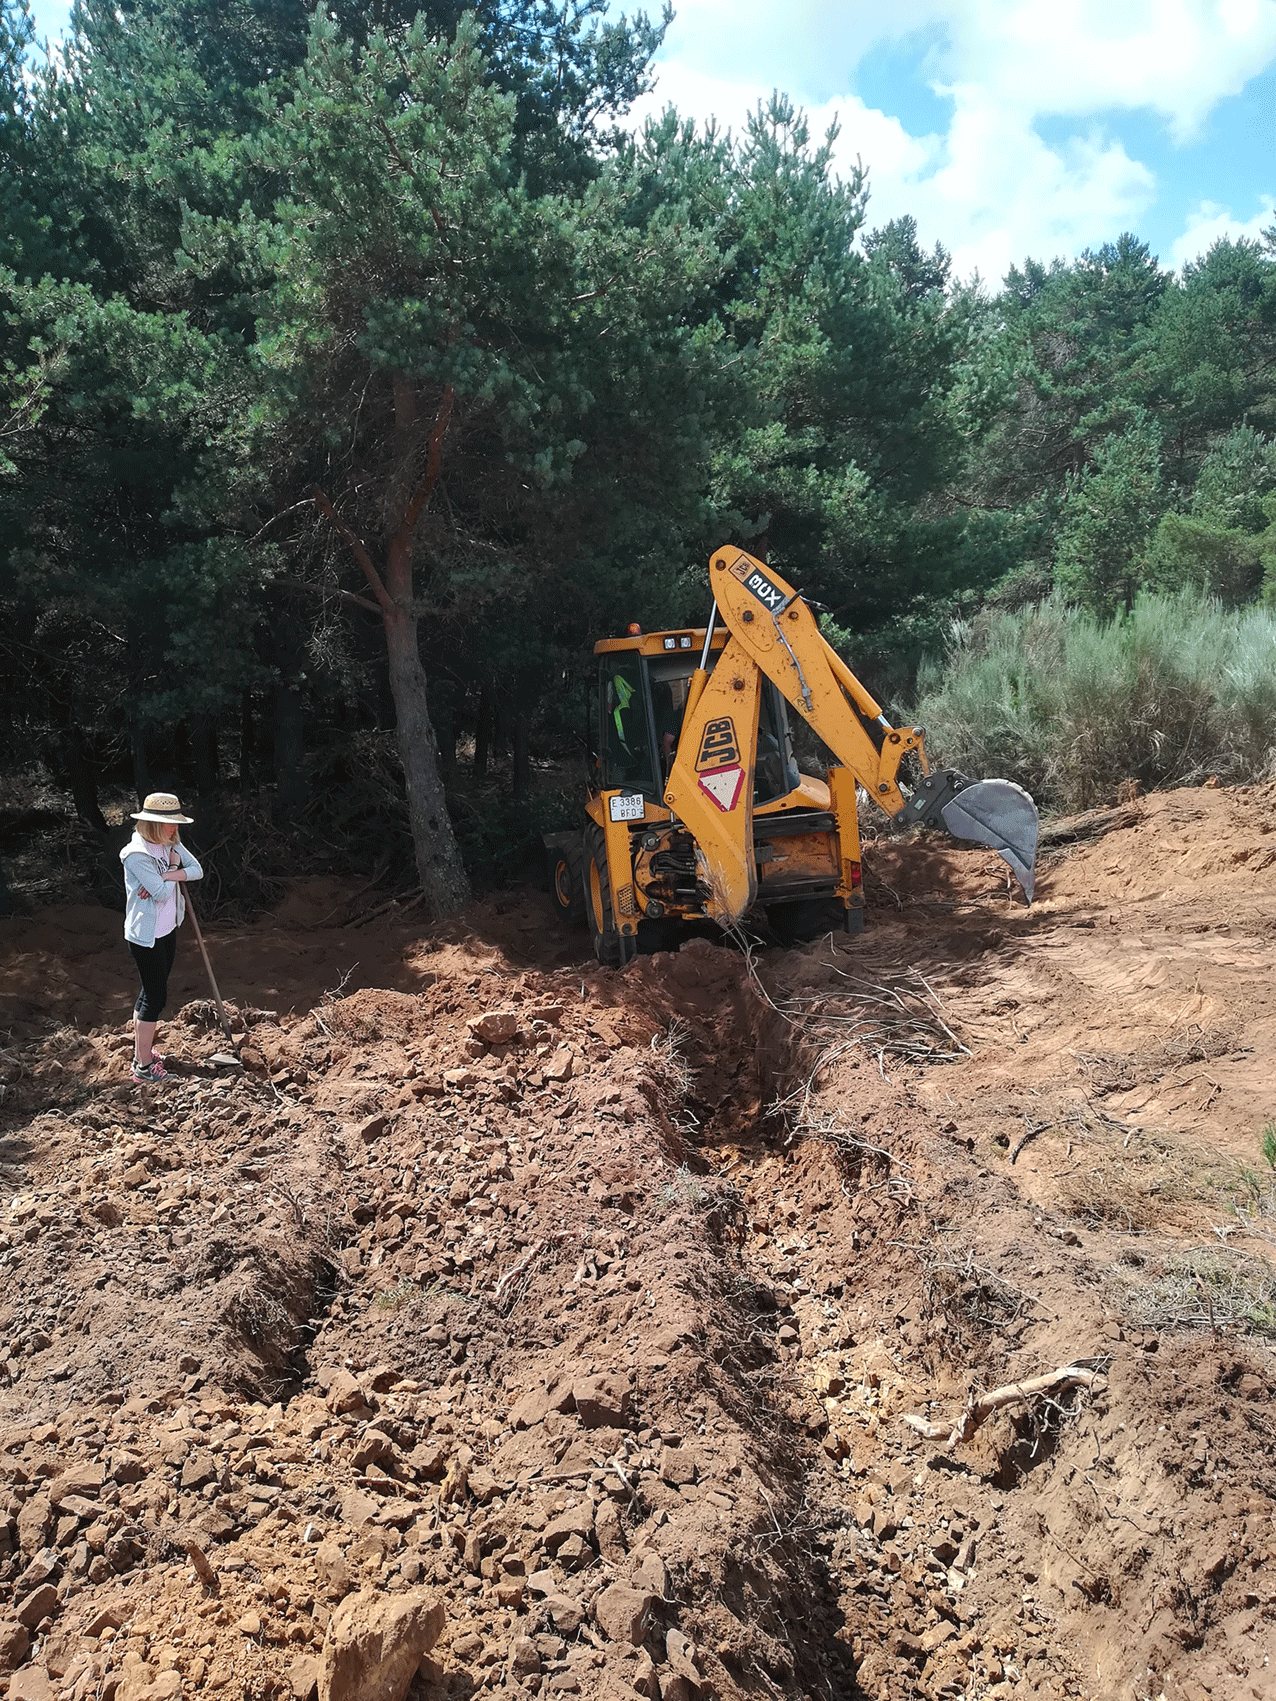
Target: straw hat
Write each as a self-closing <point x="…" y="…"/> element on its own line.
<point x="162" y="806"/>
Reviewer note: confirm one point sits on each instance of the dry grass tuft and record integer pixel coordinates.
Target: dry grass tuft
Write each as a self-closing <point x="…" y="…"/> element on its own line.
<point x="1149" y="1178"/>
<point x="1208" y="1287"/>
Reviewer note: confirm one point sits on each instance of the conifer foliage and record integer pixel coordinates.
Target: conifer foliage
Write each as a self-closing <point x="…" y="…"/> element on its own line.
<point x="358" y="369"/>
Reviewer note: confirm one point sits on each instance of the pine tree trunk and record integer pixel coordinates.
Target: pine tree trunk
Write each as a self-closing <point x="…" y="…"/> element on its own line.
<point x="444" y="883"/>
<point x="482" y="735"/>
<point x="445" y="727"/>
<point x="73" y="760"/>
<point x="290" y="750"/>
<point x="245" y="742"/>
<point x="522" y="755"/>
<point x="207" y="764"/>
<point x="438" y="861"/>
<point x="141" y="767"/>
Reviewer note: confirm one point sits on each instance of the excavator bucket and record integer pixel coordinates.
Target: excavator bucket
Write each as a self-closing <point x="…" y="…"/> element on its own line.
<point x="1000" y="814"/>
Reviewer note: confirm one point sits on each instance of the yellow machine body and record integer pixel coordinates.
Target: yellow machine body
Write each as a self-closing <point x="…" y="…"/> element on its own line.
<point x="699" y="811"/>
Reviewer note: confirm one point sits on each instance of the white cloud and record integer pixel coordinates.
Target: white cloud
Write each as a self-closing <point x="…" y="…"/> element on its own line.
<point x="875" y="136"/>
<point x="1208" y="222"/>
<point x="1004" y="194"/>
<point x="1078" y="57"/>
<point x="990" y="188"/>
<point x="1070" y="58"/>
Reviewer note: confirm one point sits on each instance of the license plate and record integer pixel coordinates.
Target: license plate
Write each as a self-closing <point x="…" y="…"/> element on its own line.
<point x="628" y="807"/>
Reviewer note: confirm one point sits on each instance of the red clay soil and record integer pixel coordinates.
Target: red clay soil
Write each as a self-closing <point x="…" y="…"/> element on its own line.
<point x="634" y="1317"/>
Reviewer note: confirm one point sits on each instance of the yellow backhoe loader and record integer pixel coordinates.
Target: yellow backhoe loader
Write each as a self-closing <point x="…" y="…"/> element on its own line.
<point x="697" y="810"/>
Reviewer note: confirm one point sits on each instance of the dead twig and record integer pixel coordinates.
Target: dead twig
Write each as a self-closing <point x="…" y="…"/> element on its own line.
<point x="517" y="1270"/>
<point x="1029" y="1133"/>
<point x="199" y="1560"/>
<point x="285" y="1192"/>
<point x="979" y="1408"/>
<point x="384" y="909"/>
<point x="334" y="993"/>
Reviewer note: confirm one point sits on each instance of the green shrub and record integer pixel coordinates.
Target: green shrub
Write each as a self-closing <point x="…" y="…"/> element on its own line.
<point x="1071" y="705"/>
<point x="500" y="840"/>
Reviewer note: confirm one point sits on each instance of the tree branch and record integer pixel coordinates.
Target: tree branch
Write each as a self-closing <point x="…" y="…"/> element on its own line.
<point x="385" y="602"/>
<point x="326" y="591"/>
<point x="281" y="515"/>
<point x="396" y="154"/>
<point x="430" y="476"/>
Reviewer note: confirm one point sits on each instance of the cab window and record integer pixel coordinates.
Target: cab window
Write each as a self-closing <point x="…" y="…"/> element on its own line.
<point x="777" y="773"/>
<point x="625" y="733"/>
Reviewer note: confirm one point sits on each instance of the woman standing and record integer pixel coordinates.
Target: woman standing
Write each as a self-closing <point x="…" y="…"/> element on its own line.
<point x="156" y="866"/>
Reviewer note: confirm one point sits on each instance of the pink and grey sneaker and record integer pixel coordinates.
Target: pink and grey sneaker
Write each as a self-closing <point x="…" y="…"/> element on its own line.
<point x="150" y="1072"/>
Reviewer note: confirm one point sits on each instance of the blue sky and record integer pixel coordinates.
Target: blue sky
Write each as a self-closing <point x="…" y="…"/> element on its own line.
<point x="1007" y="128"/>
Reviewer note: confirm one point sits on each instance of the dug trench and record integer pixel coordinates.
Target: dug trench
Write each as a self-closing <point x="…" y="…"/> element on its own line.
<point x="634" y="1317"/>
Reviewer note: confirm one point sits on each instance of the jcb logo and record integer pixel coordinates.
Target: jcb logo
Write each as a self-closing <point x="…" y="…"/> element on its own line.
<point x="718" y="747"/>
<point x="770" y="596"/>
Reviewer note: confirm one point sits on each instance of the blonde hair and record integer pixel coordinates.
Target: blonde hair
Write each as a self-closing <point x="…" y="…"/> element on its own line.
<point x="153" y="832"/>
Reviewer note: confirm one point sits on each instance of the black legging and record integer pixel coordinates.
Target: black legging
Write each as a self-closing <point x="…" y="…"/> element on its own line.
<point x="154" y="964"/>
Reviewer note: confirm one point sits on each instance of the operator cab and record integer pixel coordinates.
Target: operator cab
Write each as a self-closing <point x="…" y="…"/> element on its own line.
<point x="642" y="696"/>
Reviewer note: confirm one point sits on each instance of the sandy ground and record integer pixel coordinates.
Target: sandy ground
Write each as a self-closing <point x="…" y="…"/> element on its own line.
<point x="643" y="1319"/>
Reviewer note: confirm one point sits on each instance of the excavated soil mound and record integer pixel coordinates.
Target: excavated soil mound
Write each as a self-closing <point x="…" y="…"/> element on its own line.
<point x="889" y="1317"/>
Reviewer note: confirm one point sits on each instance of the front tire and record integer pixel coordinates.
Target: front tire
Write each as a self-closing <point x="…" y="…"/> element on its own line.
<point x="609" y="945"/>
<point x="567" y="883"/>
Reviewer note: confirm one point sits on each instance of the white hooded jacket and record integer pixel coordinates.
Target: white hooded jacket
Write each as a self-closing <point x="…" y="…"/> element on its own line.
<point x="144" y="865"/>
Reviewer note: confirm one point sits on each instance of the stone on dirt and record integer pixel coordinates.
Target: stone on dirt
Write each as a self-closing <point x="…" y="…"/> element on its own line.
<point x="609" y="1532"/>
<point x="576" y="1521"/>
<point x="650" y="1573"/>
<point x="303" y="1677"/>
<point x="84" y="1480"/>
<point x="567" y="1612"/>
<point x="40" y="1603"/>
<point x="677" y="1466"/>
<point x="375" y="1644"/>
<point x="537" y="1403"/>
<point x="602" y="1402"/>
<point x="42" y="1567"/>
<point x="524" y="1657"/>
<point x="561" y="1066"/>
<point x="344" y="1393"/>
<point x="15" y="1640"/>
<point x="681" y="1654"/>
<point x="35" y="1522"/>
<point x="375" y="1448"/>
<point x="623" y="1614"/>
<point x="32" y="1683"/>
<point x="494" y="1027"/>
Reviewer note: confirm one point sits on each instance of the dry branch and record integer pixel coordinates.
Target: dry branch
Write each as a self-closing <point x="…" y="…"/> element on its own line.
<point x="979" y="1408"/>
<point x="199" y="1559"/>
<point x="359" y="550"/>
<point x="1084" y="829"/>
<point x="516" y="1270"/>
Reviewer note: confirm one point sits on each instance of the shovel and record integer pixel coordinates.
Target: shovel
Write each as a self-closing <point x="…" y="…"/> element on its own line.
<point x="212" y="978"/>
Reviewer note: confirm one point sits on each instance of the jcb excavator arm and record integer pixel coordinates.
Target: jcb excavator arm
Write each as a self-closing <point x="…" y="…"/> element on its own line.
<point x="774" y="633"/>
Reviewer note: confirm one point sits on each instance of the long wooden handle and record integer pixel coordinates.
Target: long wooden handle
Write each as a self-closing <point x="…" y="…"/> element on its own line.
<point x="212" y="978"/>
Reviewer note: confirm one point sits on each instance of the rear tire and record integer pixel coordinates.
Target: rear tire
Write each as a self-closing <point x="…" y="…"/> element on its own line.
<point x="609" y="945"/>
<point x="567" y="883"/>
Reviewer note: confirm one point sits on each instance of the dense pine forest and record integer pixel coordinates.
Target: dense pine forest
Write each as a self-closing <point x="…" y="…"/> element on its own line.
<point x="360" y="368"/>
